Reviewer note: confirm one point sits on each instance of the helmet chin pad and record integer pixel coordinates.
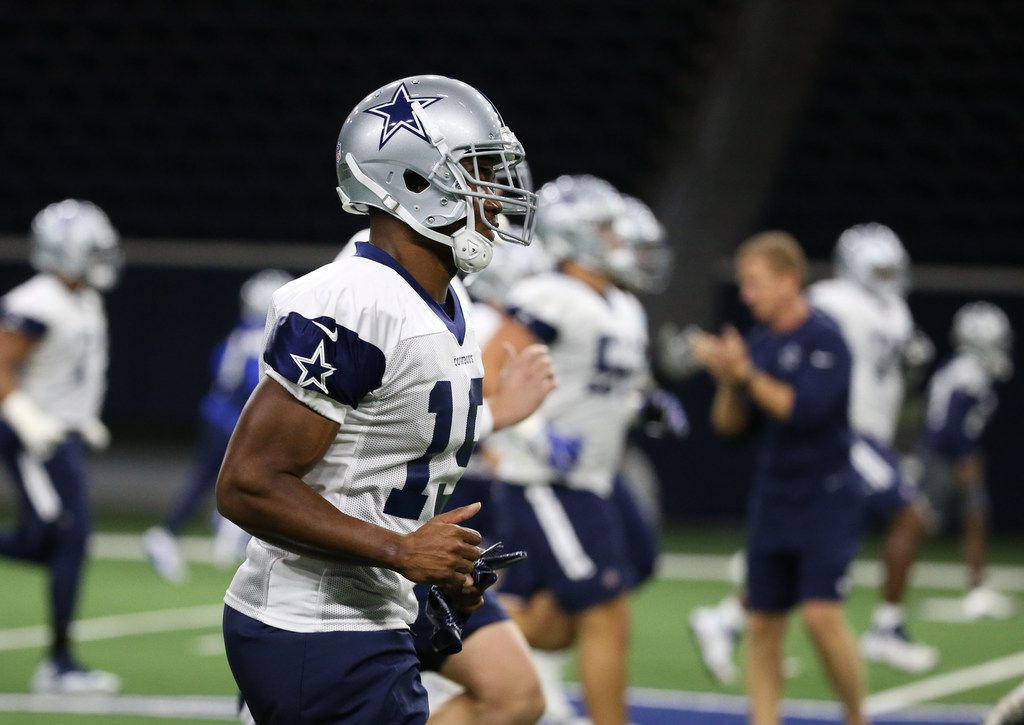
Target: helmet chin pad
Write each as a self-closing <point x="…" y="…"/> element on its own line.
<point x="472" y="250"/>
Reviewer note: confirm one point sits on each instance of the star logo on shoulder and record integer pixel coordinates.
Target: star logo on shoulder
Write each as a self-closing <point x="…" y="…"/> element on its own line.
<point x="398" y="114"/>
<point x="314" y="370"/>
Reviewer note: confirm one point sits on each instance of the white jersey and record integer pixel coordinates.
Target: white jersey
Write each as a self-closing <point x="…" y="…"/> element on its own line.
<point x="66" y="372"/>
<point x="599" y="352"/>
<point x="360" y="342"/>
<point x="877" y="332"/>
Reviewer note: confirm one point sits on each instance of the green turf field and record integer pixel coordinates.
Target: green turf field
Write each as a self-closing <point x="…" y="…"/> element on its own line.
<point x="170" y="645"/>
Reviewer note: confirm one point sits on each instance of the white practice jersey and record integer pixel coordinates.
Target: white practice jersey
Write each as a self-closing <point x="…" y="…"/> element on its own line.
<point x="961" y="401"/>
<point x="877" y="331"/>
<point x="361" y="343"/>
<point x="599" y="351"/>
<point x="66" y="372"/>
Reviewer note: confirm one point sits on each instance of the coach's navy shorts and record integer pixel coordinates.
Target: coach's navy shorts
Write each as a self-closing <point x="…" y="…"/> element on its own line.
<point x="800" y="548"/>
<point x="324" y="677"/>
<point x="575" y="541"/>
<point x="431" y="659"/>
<point x="640" y="533"/>
<point x="888" y="490"/>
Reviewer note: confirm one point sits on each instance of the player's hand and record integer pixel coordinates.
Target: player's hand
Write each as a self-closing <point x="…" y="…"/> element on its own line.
<point x="524" y="382"/>
<point x="465" y="598"/>
<point x="676" y="356"/>
<point x="39" y="433"/>
<point x="95" y="434"/>
<point x="441" y="551"/>
<point x="663" y="413"/>
<point x="563" y="450"/>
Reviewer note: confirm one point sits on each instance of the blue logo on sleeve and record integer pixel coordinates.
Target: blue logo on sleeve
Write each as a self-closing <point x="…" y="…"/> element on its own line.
<point x="318" y="369"/>
<point x="398" y="114"/>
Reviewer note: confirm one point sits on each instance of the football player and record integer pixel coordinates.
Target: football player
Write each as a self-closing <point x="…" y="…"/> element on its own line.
<point x="790" y="380"/>
<point x="961" y="401"/>
<point x="867" y="299"/>
<point x="366" y="414"/>
<point x="235" y="366"/>
<point x="53" y="367"/>
<point x="559" y="466"/>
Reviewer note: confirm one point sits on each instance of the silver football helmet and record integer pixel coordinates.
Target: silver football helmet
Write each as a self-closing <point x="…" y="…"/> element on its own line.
<point x="874" y="257"/>
<point x="650" y="266"/>
<point x="981" y="329"/>
<point x="76" y="240"/>
<point x="424" y="150"/>
<point x="258" y="291"/>
<point x="576" y="220"/>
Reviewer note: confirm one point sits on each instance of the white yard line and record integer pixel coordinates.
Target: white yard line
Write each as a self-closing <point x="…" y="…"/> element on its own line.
<point x="175" y="707"/>
<point x="678" y="567"/>
<point x="949" y="683"/>
<point x="866" y="572"/>
<point x="181" y="619"/>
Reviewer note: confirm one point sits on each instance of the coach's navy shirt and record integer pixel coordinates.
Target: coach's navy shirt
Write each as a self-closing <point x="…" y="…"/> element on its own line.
<point x="796" y="455"/>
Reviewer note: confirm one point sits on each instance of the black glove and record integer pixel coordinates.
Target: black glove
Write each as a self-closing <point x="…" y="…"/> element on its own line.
<point x="449" y="621"/>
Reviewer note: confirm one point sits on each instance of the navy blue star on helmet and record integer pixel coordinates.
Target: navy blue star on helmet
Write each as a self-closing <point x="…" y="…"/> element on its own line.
<point x="398" y="114"/>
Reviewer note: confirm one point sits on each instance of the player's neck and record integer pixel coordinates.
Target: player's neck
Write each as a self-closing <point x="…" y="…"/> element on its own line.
<point x="429" y="263"/>
<point x="792" y="315"/>
<point x="597" y="281"/>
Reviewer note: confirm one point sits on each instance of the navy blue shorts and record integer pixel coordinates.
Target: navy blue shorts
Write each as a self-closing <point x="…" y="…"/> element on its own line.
<point x="575" y="541"/>
<point x="878" y="469"/>
<point x="324" y="677"/>
<point x="470" y="490"/>
<point x="801" y="549"/>
<point x="432" y="660"/>
<point x="641" y="534"/>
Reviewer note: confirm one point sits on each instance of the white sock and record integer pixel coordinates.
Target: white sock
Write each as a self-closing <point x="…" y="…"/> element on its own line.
<point x="732" y="615"/>
<point x="550" y="669"/>
<point x="887" y="616"/>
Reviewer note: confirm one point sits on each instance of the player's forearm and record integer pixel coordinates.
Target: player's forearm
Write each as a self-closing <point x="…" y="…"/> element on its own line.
<point x="286" y="512"/>
<point x="774" y="397"/>
<point x="728" y="411"/>
<point x="8" y="381"/>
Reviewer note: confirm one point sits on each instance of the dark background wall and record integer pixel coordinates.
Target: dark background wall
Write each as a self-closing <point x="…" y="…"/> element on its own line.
<point x="193" y="120"/>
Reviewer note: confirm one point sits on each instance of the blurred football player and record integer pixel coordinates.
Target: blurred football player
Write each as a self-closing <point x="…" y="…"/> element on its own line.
<point x="366" y="414"/>
<point x="53" y="368"/>
<point x="961" y="401"/>
<point x="560" y="465"/>
<point x="790" y="378"/>
<point x="866" y="299"/>
<point x="235" y="368"/>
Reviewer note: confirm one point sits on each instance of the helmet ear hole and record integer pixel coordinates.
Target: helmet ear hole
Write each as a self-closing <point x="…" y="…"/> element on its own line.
<point x="414" y="182"/>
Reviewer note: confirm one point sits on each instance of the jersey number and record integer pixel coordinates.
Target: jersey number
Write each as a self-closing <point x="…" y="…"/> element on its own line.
<point x="408" y="502"/>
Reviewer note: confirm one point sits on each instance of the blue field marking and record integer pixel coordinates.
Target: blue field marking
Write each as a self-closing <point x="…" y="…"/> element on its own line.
<point x="663" y="707"/>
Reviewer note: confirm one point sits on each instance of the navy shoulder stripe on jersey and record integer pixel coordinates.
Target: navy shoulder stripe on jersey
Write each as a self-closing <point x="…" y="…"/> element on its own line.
<point x="543" y="331"/>
<point x="20" y="323"/>
<point x="322" y="356"/>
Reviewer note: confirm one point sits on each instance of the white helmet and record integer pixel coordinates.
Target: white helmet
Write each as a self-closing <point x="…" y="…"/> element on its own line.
<point x="258" y="291"/>
<point x="576" y="219"/>
<point x="513" y="263"/>
<point x="402" y="150"/>
<point x="982" y="330"/>
<point x="874" y="257"/>
<point x="75" y="239"/>
<point x="650" y="267"/>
